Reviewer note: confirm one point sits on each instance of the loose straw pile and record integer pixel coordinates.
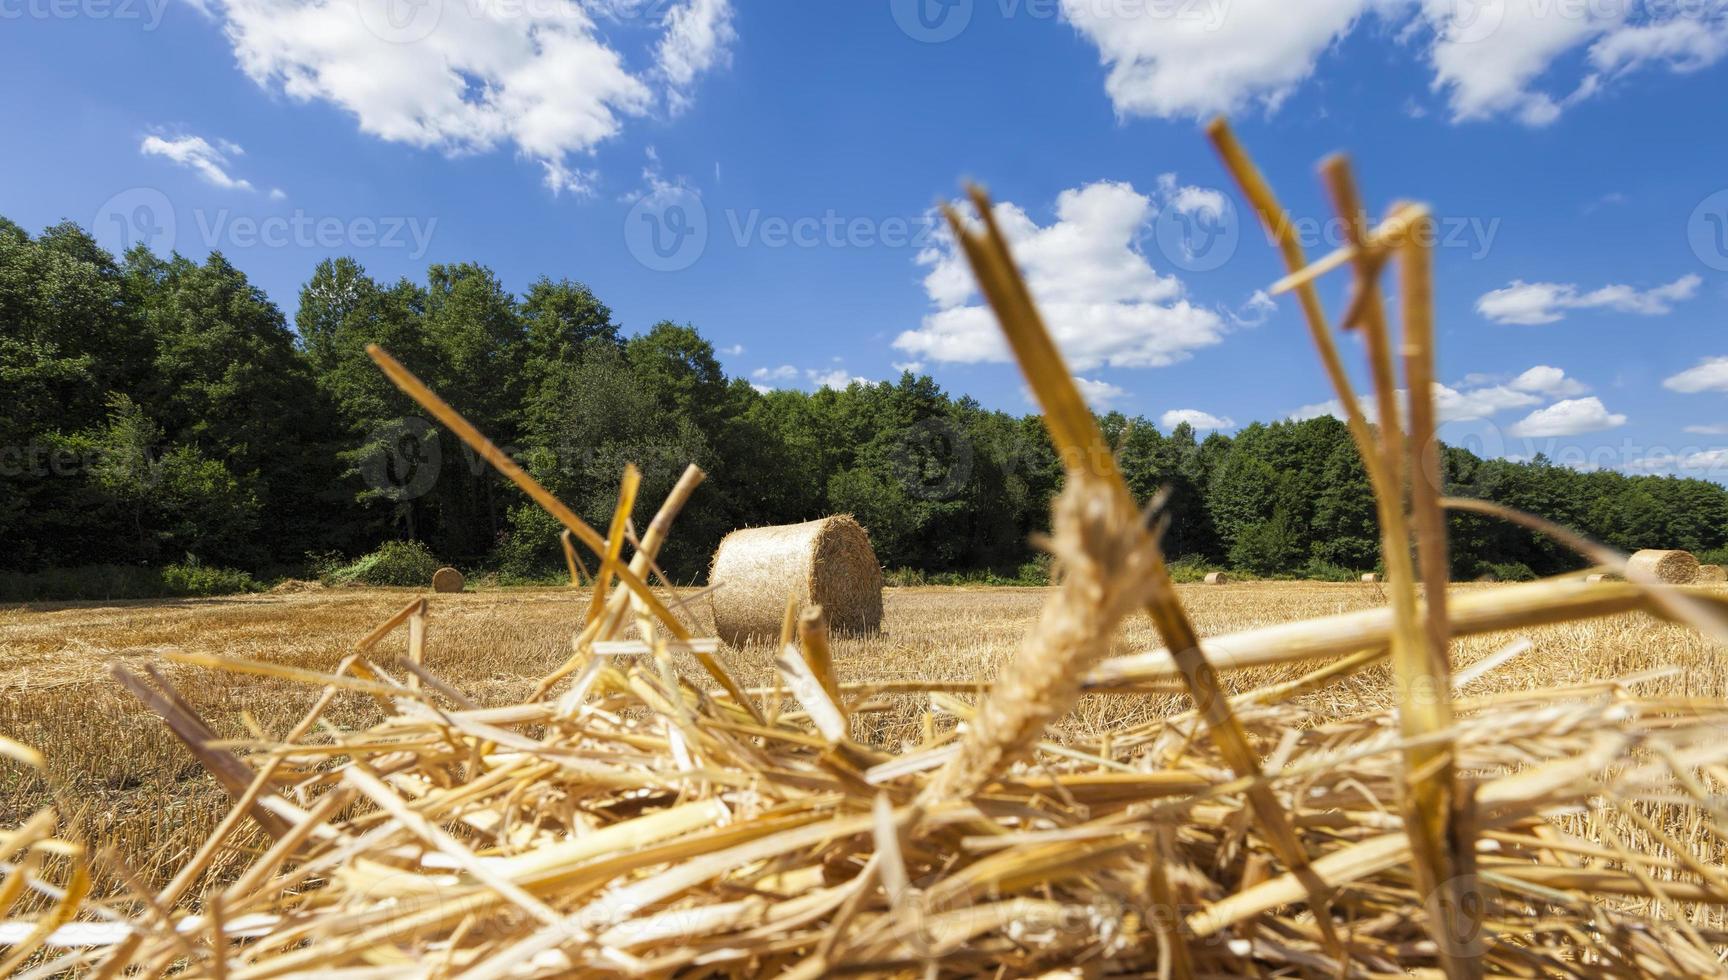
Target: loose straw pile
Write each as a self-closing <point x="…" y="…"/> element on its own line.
<point x="639" y="818"/>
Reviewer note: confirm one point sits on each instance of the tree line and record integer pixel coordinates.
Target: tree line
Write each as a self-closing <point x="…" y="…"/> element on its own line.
<point x="157" y="409"/>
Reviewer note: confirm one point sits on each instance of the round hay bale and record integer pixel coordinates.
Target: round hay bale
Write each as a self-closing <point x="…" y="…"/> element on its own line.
<point x="1668" y="567"/>
<point x="1217" y="578"/>
<point x="827" y="562"/>
<point x="447" y="580"/>
<point x="1712" y="573"/>
<point x="1601" y="577"/>
<point x="1371" y="578"/>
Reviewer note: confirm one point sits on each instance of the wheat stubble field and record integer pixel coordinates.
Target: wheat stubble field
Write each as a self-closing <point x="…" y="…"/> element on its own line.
<point x="121" y="777"/>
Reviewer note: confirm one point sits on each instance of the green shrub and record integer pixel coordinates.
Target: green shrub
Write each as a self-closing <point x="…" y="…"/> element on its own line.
<point x="193" y="578"/>
<point x="1190" y="570"/>
<point x="1325" y="571"/>
<point x="109" y="582"/>
<point x="401" y="563"/>
<point x="1515" y="571"/>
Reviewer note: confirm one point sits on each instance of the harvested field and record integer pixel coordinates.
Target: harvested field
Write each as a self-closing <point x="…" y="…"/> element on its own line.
<point x="117" y="769"/>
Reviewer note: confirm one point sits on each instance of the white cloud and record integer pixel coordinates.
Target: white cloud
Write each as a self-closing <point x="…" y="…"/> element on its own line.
<point x="210" y="161"/>
<point x="1571" y="417"/>
<point x="733" y="351"/>
<point x="1712" y="460"/>
<point x="1714" y="429"/>
<point x="1488" y="57"/>
<point x="1257" y="309"/>
<point x="698" y="38"/>
<point x="278" y="194"/>
<point x="470" y="77"/>
<point x="1104" y="302"/>
<point x="786" y="375"/>
<point x="1100" y="394"/>
<point x="916" y="367"/>
<point x="1546" y="302"/>
<point x="839" y="378"/>
<point x="1551" y="381"/>
<point x="1450" y="404"/>
<point x="1190" y="60"/>
<point x="1201" y="421"/>
<point x="1710" y="374"/>
<point x="784" y="372"/>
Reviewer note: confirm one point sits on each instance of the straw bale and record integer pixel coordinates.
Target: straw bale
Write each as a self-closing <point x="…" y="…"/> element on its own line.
<point x="1217" y="578"/>
<point x="827" y="562"/>
<point x="1669" y="567"/>
<point x="448" y="580"/>
<point x="1371" y="578"/>
<point x="1711" y="574"/>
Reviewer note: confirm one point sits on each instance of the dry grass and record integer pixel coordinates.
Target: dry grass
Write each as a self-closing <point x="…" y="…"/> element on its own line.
<point x="129" y="782"/>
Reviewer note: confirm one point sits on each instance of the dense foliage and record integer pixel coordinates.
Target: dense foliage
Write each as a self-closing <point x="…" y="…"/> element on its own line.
<point x="162" y="411"/>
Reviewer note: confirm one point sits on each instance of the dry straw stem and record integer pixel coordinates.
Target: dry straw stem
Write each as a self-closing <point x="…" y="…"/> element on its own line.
<point x="826" y="562"/>
<point x="1078" y="441"/>
<point x="1104" y="553"/>
<point x="637" y="826"/>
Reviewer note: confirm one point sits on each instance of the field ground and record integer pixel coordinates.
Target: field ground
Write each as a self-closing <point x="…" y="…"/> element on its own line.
<point x="117" y="772"/>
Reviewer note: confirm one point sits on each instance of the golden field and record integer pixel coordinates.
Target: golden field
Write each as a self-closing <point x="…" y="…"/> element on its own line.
<point x="122" y="779"/>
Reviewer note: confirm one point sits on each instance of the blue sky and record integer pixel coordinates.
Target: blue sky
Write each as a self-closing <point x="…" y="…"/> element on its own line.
<point x="787" y="156"/>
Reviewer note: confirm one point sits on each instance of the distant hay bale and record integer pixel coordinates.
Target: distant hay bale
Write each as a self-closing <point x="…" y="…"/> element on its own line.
<point x="1668" y="567"/>
<point x="1371" y="578"/>
<point x="447" y="580"/>
<point x="1598" y="577"/>
<point x="1217" y="578"/>
<point x="1712" y="573"/>
<point x="828" y="562"/>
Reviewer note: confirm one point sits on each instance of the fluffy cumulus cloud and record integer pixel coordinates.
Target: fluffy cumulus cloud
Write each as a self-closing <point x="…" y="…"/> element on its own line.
<point x="1201" y="421"/>
<point x="1547" y="302"/>
<point x="1702" y="462"/>
<point x="1478" y="396"/>
<point x="1488" y="58"/>
<point x="1101" y="395"/>
<point x="211" y="161"/>
<point x="1571" y="417"/>
<point x="463" y="76"/>
<point x="766" y="379"/>
<point x="1103" y="299"/>
<point x="837" y="378"/>
<point x="1710" y="374"/>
